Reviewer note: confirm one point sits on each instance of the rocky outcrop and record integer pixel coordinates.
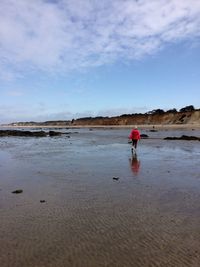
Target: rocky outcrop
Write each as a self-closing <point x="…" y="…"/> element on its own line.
<point x="22" y="133"/>
<point x="144" y="136"/>
<point x="4" y="133"/>
<point x="18" y="191"/>
<point x="53" y="133"/>
<point x="183" y="137"/>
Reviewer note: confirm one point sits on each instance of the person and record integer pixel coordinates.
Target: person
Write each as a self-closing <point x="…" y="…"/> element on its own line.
<point x="134" y="136"/>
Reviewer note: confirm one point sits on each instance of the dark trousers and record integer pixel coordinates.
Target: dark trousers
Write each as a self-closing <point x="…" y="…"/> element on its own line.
<point x="134" y="143"/>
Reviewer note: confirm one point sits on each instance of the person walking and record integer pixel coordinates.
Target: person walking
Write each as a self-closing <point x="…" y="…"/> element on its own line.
<point x="134" y="136"/>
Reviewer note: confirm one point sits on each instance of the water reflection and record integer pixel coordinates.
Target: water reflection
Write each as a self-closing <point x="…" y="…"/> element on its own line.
<point x="135" y="164"/>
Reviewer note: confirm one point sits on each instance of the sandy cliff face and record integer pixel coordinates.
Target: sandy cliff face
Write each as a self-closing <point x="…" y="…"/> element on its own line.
<point x="190" y="117"/>
<point x="165" y="118"/>
<point x="195" y="117"/>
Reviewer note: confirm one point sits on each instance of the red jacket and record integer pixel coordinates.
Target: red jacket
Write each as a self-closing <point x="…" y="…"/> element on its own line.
<point x="135" y="134"/>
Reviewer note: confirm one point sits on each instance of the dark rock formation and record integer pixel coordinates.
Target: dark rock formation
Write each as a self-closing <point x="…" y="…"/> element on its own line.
<point x="184" y="137"/>
<point x="53" y="133"/>
<point x="4" y="133"/>
<point x="18" y="191"/>
<point x="143" y="136"/>
<point x="116" y="178"/>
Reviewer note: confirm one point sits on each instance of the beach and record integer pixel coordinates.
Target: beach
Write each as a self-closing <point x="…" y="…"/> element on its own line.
<point x="87" y="201"/>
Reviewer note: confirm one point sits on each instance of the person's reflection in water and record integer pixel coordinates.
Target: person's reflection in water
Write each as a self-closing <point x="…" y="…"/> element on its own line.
<point x="135" y="164"/>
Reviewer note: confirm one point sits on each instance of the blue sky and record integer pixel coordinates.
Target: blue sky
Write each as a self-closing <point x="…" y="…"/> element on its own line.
<point x="68" y="59"/>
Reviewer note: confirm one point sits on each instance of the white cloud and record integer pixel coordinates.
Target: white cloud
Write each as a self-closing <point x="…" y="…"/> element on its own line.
<point x="64" y="35"/>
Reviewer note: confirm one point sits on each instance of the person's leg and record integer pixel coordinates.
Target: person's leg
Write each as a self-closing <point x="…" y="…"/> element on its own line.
<point x="134" y="143"/>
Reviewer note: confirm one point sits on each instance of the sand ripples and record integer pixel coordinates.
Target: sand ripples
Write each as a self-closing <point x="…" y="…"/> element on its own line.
<point x="91" y="233"/>
<point x="151" y="219"/>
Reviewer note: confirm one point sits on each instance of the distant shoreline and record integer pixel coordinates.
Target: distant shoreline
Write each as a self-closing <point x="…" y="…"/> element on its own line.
<point x="186" y="118"/>
<point x="143" y="126"/>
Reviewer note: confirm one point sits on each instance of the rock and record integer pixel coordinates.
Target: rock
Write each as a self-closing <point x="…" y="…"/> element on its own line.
<point x="116" y="178"/>
<point x="144" y="136"/>
<point x="53" y="133"/>
<point x="153" y="130"/>
<point x="4" y="133"/>
<point x="42" y="201"/>
<point x="184" y="137"/>
<point x="18" y="191"/>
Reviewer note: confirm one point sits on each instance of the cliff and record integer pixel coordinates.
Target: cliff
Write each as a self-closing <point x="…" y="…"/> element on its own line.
<point x="155" y="117"/>
<point x="189" y="117"/>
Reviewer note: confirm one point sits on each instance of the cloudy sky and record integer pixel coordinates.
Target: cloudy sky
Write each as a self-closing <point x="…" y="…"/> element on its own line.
<point x="63" y="59"/>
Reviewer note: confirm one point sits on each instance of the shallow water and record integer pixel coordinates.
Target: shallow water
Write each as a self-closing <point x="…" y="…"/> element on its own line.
<point x="149" y="217"/>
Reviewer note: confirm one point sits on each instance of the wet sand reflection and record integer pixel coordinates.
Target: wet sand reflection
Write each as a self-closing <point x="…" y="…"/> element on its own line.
<point x="135" y="164"/>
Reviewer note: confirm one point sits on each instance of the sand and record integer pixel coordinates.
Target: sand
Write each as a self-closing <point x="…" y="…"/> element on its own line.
<point x="149" y="217"/>
<point x="189" y="126"/>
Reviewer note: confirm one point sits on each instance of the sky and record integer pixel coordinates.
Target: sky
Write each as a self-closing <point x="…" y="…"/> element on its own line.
<point x="64" y="59"/>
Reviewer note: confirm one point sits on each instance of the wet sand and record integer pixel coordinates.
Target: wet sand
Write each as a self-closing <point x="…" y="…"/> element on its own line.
<point x="188" y="126"/>
<point x="149" y="217"/>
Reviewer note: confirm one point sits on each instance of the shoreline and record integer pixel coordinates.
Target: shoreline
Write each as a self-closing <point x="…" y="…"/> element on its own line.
<point x="143" y="126"/>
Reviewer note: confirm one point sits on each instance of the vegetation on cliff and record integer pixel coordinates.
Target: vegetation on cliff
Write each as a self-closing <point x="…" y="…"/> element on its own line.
<point x="186" y="115"/>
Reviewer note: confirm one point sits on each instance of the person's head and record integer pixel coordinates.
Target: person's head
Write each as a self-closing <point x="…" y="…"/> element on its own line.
<point x="135" y="127"/>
